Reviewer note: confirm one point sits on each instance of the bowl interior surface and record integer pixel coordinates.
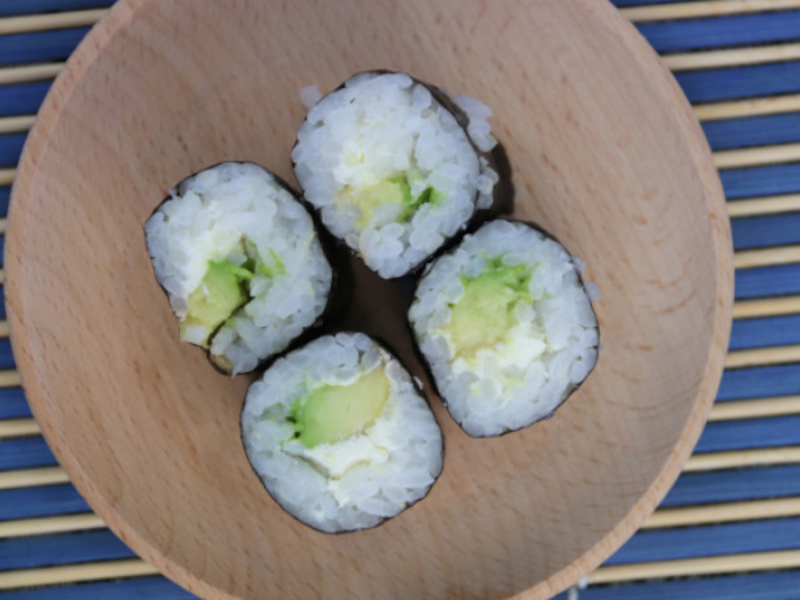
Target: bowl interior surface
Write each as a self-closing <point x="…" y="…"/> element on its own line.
<point x="604" y="156"/>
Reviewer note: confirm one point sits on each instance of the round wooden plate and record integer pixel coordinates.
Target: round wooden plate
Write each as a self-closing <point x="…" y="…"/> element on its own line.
<point x="606" y="155"/>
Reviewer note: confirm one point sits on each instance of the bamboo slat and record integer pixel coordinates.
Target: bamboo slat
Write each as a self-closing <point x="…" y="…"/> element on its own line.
<point x="756" y="157"/>
<point x="734" y="459"/>
<point x="112" y="569"/>
<point x="7" y="176"/>
<point x="27" y="73"/>
<point x="752" y="107"/>
<point x="50" y="21"/>
<point x="16" y="124"/>
<point x="21" y="478"/>
<point x="773" y="355"/>
<point x="766" y="307"/>
<point x="715" y="59"/>
<point x="724" y="513"/>
<point x="764" y="205"/>
<point x="711" y="565"/>
<point x="50" y="525"/>
<point x="779" y="255"/>
<point x="9" y="379"/>
<point x="13" y="428"/>
<point x="755" y="409"/>
<point x="697" y="10"/>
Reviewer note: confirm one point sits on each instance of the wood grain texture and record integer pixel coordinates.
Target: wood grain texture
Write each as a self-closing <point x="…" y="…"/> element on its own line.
<point x="608" y="156"/>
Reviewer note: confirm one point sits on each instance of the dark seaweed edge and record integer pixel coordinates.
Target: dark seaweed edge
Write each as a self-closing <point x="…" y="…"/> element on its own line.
<point x="429" y="371"/>
<point x="341" y="278"/>
<point x="417" y="386"/>
<point x="503" y="191"/>
<point x="497" y="159"/>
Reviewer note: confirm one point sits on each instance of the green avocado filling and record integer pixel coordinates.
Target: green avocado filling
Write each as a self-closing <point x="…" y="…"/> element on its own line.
<point x="226" y="287"/>
<point x="274" y="267"/>
<point x="223" y="289"/>
<point x="485" y="312"/>
<point x="333" y="413"/>
<point x="396" y="190"/>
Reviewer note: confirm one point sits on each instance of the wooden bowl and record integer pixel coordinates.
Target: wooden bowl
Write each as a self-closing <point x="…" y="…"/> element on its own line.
<point x="606" y="155"/>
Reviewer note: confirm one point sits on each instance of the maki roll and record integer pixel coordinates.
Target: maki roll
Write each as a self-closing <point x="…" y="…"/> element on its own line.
<point x="340" y="435"/>
<point x="505" y="326"/>
<point x="395" y="167"/>
<point x="241" y="263"/>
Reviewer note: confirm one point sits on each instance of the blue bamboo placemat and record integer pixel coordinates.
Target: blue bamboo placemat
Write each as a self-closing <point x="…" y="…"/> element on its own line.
<point x="730" y="527"/>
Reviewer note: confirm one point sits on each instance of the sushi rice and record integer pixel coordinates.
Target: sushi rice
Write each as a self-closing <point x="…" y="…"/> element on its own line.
<point x="340" y="435"/>
<point x="234" y="243"/>
<point x="394" y="172"/>
<point x="506" y="327"/>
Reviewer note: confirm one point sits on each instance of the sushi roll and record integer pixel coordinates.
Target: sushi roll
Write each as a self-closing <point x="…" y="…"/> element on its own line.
<point x="340" y="435"/>
<point x="241" y="263"/>
<point x="395" y="167"/>
<point x="506" y="327"/>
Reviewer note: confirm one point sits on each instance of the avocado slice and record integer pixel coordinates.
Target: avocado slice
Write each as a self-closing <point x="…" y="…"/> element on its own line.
<point x="396" y="190"/>
<point x="274" y="267"/>
<point x="222" y="291"/>
<point x="485" y="312"/>
<point x="333" y="413"/>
